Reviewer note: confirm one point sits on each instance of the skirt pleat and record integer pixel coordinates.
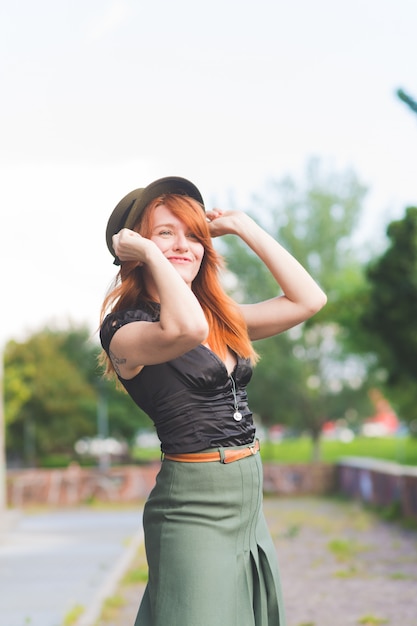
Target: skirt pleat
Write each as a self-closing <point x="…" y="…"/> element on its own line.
<point x="210" y="554"/>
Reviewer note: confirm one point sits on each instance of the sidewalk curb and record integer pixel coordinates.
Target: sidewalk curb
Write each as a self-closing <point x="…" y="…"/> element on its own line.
<point x="91" y="615"/>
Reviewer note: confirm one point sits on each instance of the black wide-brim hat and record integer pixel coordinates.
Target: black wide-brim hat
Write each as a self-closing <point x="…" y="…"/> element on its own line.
<point x="129" y="209"/>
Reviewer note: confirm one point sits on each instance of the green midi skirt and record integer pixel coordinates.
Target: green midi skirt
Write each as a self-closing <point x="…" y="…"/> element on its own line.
<point x="211" y="558"/>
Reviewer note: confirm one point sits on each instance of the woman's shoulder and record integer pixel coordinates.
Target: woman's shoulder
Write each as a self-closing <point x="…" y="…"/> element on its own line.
<point x="144" y="312"/>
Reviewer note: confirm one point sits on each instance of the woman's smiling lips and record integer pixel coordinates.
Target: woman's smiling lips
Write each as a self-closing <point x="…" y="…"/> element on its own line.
<point x="179" y="259"/>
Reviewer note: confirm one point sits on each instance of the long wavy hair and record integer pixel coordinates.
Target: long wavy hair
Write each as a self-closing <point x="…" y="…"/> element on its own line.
<point x="227" y="327"/>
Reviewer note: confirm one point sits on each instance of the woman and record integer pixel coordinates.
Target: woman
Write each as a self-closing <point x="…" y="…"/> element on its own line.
<point x="183" y="351"/>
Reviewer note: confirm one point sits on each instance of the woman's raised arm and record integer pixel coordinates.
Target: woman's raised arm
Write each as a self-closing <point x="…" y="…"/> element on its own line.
<point x="302" y="297"/>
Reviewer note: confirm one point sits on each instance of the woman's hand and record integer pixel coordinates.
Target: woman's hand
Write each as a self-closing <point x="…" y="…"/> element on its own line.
<point x="130" y="246"/>
<point x="226" y="222"/>
<point x="301" y="297"/>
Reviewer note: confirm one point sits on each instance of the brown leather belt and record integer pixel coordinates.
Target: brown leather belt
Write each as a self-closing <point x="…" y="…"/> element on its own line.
<point x="223" y="455"/>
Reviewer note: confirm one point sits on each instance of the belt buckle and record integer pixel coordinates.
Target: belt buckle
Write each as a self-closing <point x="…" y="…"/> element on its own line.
<point x="254" y="447"/>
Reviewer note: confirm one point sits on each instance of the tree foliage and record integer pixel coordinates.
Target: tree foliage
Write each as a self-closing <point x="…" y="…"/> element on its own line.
<point x="409" y="100"/>
<point x="303" y="372"/>
<point x="390" y="318"/>
<point x="51" y="383"/>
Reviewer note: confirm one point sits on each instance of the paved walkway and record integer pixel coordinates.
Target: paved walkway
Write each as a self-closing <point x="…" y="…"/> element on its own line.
<point x="340" y="566"/>
<point x="53" y="562"/>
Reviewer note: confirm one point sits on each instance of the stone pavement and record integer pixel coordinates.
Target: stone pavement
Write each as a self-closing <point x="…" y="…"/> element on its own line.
<point x="52" y="562"/>
<point x="340" y="566"/>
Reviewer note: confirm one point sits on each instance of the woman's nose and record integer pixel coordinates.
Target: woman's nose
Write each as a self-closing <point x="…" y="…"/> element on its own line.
<point x="181" y="242"/>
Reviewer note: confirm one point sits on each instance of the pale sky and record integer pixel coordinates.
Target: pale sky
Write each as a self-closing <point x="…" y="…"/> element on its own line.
<point x="99" y="97"/>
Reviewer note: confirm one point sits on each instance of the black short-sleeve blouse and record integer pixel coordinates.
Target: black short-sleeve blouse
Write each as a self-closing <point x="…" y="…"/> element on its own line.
<point x="191" y="399"/>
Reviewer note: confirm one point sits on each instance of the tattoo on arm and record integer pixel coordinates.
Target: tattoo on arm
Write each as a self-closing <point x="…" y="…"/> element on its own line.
<point x="117" y="361"/>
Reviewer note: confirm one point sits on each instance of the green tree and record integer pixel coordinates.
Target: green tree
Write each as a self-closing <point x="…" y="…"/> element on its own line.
<point x="409" y="101"/>
<point x="48" y="403"/>
<point x="303" y="372"/>
<point x="124" y="417"/>
<point x="53" y="387"/>
<point x="390" y="317"/>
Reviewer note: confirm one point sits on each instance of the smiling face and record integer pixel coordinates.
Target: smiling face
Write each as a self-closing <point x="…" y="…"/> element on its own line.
<point x="177" y="242"/>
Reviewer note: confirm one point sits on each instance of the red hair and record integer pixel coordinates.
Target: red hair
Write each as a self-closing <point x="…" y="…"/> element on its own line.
<point x="226" y="323"/>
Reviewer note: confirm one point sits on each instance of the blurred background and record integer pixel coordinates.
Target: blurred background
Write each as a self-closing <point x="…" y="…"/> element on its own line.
<point x="303" y="114"/>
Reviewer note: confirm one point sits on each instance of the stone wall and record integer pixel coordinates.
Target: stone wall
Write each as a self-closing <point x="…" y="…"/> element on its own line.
<point x="75" y="485"/>
<point x="299" y="479"/>
<point x="371" y="481"/>
<point x="379" y="483"/>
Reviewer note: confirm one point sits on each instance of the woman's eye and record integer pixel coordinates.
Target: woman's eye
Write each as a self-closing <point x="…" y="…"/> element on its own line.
<point x="165" y="233"/>
<point x="192" y="236"/>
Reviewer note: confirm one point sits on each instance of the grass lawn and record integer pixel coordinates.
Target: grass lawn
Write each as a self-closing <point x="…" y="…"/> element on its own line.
<point x="398" y="450"/>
